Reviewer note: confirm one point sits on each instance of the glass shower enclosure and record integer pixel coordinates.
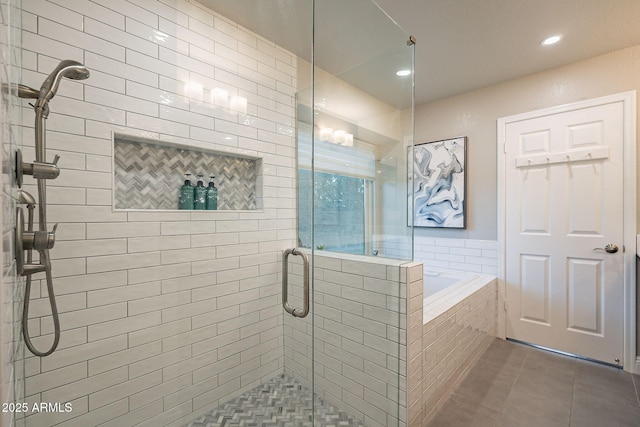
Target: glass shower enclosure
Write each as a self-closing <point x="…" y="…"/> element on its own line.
<point x="343" y="293"/>
<point x="343" y="230"/>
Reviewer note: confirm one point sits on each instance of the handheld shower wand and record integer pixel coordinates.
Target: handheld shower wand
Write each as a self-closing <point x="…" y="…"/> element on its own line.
<point x="67" y="68"/>
<point x="71" y="70"/>
<point x="41" y="240"/>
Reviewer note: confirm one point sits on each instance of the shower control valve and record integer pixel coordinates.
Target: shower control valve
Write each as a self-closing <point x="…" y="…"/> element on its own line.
<point x="39" y="240"/>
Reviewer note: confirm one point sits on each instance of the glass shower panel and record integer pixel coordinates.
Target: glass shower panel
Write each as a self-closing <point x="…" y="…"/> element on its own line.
<point x="363" y="127"/>
<point x="289" y="25"/>
<point x="13" y="359"/>
<point x="360" y="232"/>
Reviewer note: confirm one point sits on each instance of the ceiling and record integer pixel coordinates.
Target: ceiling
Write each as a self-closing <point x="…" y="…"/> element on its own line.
<point x="462" y="45"/>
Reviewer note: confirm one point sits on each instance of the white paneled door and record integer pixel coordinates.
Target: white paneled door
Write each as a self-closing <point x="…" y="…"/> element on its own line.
<point x="564" y="257"/>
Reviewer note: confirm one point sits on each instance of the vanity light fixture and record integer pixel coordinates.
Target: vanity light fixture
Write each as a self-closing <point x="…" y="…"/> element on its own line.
<point x="551" y="40"/>
<point x="326" y="134"/>
<point x="403" y="73"/>
<point x="338" y="137"/>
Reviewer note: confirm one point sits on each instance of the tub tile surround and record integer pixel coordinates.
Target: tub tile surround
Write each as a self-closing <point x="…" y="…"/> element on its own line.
<point x="459" y="322"/>
<point x="453" y="328"/>
<point x="465" y="255"/>
<point x="443" y="300"/>
<point x="164" y="314"/>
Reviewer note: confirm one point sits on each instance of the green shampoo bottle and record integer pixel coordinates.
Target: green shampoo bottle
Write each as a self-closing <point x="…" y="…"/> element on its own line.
<point x="185" y="201"/>
<point x="200" y="195"/>
<point x="212" y="195"/>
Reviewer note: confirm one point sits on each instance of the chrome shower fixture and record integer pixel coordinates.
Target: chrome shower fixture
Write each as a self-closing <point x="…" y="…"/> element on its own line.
<point x="67" y="68"/>
<point x="21" y="91"/>
<point x="26" y="91"/>
<point x="40" y="240"/>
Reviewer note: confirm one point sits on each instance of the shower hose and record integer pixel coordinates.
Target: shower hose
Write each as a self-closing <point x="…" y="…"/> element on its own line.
<point x="46" y="260"/>
<point x="54" y="312"/>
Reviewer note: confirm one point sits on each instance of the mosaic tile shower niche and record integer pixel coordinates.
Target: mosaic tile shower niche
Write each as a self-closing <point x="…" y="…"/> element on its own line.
<point x="148" y="175"/>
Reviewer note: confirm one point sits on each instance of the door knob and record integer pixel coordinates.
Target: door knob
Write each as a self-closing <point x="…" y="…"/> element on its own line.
<point x="611" y="248"/>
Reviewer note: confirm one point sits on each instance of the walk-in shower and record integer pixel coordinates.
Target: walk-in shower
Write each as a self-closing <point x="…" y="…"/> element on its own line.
<point x="41" y="240"/>
<point x="175" y="317"/>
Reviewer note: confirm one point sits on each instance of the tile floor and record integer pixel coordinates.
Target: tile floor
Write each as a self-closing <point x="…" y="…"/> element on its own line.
<point x="280" y="402"/>
<point x="514" y="385"/>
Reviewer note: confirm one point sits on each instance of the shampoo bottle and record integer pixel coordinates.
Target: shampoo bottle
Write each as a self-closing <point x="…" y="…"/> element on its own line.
<point x="185" y="201"/>
<point x="212" y="195"/>
<point x="200" y="195"/>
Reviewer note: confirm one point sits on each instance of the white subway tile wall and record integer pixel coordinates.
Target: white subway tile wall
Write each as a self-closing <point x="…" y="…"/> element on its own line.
<point x="466" y="255"/>
<point x="164" y="314"/>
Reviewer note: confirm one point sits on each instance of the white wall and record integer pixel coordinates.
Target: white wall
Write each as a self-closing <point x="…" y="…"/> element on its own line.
<point x="164" y="314"/>
<point x="474" y="114"/>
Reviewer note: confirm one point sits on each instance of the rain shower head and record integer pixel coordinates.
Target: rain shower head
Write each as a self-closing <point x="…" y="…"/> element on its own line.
<point x="67" y="68"/>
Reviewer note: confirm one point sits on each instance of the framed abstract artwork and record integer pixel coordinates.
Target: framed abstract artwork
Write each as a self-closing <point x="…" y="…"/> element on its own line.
<point x="439" y="183"/>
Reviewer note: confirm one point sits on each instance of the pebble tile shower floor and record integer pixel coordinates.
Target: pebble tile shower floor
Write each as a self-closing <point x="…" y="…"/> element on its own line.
<point x="281" y="402"/>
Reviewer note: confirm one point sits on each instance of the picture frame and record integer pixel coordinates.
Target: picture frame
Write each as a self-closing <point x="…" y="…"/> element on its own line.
<point x="439" y="183"/>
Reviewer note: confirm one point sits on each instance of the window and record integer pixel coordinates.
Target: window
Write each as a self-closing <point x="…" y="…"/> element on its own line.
<point x="340" y="212"/>
<point x="342" y="196"/>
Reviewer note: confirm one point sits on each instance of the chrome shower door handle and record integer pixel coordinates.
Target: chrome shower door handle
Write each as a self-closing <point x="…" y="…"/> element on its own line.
<point x="296" y="312"/>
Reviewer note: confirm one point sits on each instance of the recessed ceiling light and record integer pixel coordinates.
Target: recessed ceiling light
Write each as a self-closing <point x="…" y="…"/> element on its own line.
<point x="551" y="40"/>
<point x="403" y="73"/>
